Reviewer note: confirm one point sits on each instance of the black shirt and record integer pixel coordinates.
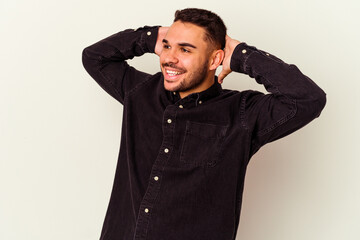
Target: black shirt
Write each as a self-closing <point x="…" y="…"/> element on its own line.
<point x="182" y="162"/>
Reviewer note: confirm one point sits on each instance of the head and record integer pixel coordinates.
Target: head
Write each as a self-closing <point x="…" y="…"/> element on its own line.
<point x="192" y="51"/>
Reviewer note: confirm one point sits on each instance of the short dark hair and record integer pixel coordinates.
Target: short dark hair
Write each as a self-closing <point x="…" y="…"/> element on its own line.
<point x="214" y="26"/>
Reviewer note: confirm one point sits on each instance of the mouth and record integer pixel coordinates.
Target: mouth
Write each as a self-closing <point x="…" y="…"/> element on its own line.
<point x="172" y="75"/>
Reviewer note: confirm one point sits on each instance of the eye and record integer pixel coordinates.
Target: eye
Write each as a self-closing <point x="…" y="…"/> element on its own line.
<point x="185" y="50"/>
<point x="166" y="46"/>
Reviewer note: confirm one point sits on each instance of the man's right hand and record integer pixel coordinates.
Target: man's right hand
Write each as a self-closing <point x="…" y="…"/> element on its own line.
<point x="161" y="35"/>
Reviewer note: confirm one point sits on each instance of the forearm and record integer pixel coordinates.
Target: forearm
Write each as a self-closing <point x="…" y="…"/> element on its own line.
<point x="284" y="81"/>
<point x="122" y="45"/>
<point x="105" y="60"/>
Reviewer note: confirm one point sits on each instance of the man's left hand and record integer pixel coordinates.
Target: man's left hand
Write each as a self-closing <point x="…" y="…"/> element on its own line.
<point x="229" y="49"/>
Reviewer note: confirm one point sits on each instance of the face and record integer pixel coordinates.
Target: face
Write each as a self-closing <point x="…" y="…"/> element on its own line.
<point x="184" y="59"/>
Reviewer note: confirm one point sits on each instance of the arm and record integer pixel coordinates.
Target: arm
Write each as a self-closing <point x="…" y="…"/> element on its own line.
<point x="105" y="60"/>
<point x="293" y="100"/>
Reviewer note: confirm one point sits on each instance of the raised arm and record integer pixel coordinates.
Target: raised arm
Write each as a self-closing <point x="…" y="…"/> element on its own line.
<point x="293" y="100"/>
<point x="105" y="60"/>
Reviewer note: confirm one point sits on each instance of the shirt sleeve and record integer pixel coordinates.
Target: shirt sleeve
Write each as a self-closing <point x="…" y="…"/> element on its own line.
<point x="105" y="60"/>
<point x="292" y="102"/>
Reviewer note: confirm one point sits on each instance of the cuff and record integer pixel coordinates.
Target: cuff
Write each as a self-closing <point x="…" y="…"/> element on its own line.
<point x="238" y="59"/>
<point x="148" y="37"/>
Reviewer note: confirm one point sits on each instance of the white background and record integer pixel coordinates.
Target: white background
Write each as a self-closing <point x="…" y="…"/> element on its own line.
<point x="60" y="132"/>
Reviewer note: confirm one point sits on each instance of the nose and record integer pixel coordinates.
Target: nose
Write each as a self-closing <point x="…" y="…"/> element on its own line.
<point x="170" y="56"/>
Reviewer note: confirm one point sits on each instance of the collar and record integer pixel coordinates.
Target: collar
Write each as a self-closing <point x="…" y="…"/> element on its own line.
<point x="198" y="97"/>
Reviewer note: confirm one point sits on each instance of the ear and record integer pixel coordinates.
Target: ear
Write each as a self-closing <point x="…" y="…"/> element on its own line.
<point x="216" y="59"/>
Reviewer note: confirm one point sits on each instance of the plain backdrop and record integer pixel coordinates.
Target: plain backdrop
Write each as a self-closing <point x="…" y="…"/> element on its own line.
<point x="60" y="132"/>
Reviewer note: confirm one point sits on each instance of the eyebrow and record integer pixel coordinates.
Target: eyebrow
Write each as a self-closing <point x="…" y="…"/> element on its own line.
<point x="180" y="44"/>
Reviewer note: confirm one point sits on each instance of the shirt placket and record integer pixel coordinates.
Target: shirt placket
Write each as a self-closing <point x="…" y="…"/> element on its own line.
<point x="152" y="191"/>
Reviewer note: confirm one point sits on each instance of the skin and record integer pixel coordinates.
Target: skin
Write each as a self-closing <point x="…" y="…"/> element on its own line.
<point x="184" y="50"/>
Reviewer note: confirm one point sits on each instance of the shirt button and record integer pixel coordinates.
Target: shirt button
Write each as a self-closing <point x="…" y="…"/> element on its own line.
<point x="156" y="178"/>
<point x="181" y="106"/>
<point x="169" y="120"/>
<point x="243" y="51"/>
<point x="200" y="102"/>
<point x="174" y="93"/>
<point x="166" y="150"/>
<point x="146" y="210"/>
<point x="148" y="33"/>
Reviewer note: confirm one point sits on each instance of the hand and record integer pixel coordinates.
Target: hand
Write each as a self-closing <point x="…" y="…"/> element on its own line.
<point x="229" y="49"/>
<point x="161" y="35"/>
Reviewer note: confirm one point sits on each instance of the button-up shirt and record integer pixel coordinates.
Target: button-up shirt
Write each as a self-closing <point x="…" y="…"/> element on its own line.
<point x="182" y="161"/>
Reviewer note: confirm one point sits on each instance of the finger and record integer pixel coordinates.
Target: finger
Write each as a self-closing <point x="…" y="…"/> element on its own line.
<point x="222" y="75"/>
<point x="227" y="38"/>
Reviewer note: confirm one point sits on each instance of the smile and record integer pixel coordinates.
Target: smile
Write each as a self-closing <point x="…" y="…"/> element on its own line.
<point x="173" y="73"/>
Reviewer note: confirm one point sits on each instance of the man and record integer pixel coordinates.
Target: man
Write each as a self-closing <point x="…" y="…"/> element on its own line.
<point x="185" y="141"/>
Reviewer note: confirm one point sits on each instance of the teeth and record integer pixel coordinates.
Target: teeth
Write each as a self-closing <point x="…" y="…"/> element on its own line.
<point x="173" y="73"/>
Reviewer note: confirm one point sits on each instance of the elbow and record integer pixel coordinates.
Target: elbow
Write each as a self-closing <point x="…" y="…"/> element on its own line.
<point x="90" y="61"/>
<point x="309" y="109"/>
<point x="320" y="102"/>
<point x="313" y="106"/>
<point x="85" y="58"/>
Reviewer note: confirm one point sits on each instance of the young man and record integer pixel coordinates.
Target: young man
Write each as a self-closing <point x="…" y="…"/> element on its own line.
<point x="185" y="141"/>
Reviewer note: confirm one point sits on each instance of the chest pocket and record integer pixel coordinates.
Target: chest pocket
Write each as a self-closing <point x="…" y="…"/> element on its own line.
<point x="202" y="144"/>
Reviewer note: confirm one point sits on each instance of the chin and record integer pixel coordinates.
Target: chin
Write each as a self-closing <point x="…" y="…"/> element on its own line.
<point x="170" y="87"/>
